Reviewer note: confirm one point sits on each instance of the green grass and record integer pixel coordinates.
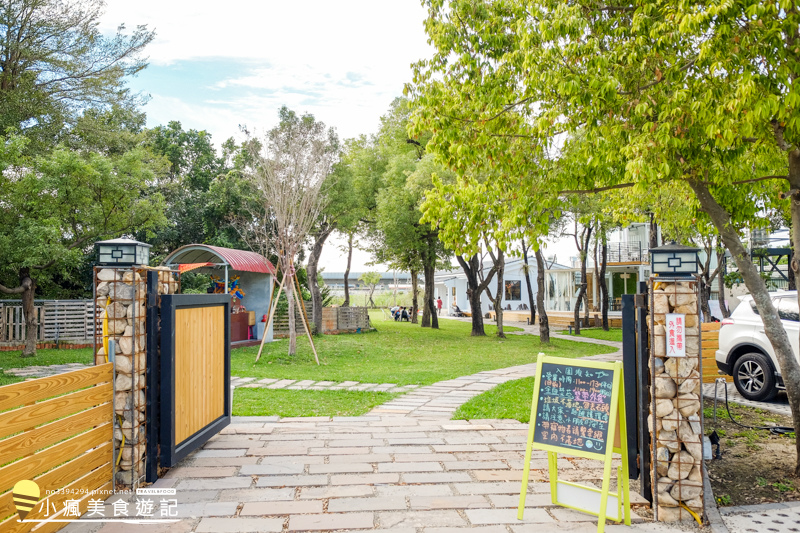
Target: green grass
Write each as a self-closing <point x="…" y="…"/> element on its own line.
<point x="614" y="334"/>
<point x="267" y="402"/>
<point x="401" y="353"/>
<point x="44" y="357"/>
<point x="511" y="400"/>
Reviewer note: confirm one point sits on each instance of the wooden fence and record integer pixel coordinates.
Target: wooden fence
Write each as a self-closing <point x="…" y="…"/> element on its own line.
<point x="333" y="319"/>
<point x="352" y="318"/>
<point x="57" y="432"/>
<point x="58" y="319"/>
<point x="709" y="344"/>
<point x="280" y="322"/>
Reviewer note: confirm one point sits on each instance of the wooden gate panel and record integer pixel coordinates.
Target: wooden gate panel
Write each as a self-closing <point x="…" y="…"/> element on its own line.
<point x="199" y="368"/>
<point x="195" y="372"/>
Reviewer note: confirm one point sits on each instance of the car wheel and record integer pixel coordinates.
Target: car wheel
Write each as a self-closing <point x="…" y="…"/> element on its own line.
<point x="754" y="377"/>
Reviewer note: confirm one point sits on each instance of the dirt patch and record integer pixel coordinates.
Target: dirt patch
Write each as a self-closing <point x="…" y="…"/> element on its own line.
<point x="756" y="466"/>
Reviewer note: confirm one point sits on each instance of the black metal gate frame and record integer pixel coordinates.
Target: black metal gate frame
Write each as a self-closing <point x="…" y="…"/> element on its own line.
<point x="170" y="452"/>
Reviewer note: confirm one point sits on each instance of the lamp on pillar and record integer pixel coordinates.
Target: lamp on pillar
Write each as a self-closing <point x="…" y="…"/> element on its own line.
<point x="122" y="252"/>
<point x="674" y="260"/>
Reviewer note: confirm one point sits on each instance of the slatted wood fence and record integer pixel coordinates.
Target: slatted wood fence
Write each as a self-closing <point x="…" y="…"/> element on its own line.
<point x="56" y="431"/>
<point x="352" y="318"/>
<point x="280" y="322"/>
<point x="709" y="339"/>
<point x="70" y="320"/>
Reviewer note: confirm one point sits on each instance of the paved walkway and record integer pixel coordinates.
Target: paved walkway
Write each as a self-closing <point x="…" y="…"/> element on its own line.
<point x="388" y="472"/>
<point x="43" y="371"/>
<point x="777" y="517"/>
<point x="779" y="405"/>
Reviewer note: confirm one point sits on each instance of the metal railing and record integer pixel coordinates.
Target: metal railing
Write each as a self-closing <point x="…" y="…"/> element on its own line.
<point x="628" y="252"/>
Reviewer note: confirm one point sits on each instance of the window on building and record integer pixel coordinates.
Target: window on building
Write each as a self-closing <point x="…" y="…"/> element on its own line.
<point x="513" y="289"/>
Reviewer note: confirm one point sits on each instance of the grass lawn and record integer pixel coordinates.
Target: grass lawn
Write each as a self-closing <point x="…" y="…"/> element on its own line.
<point x="510" y="400"/>
<point x="614" y="334"/>
<point x="49" y="356"/>
<point x="402" y="353"/>
<point x="267" y="402"/>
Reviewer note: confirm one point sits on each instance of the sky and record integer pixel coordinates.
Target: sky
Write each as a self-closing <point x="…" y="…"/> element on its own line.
<point x="216" y="66"/>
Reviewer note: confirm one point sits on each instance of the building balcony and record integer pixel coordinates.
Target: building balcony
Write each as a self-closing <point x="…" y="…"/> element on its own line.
<point x="628" y="253"/>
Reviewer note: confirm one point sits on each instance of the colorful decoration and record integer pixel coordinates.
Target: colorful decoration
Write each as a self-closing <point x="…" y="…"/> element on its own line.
<point x="233" y="286"/>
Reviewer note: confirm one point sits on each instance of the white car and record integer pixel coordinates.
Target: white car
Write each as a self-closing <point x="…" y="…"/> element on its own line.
<point x="745" y="352"/>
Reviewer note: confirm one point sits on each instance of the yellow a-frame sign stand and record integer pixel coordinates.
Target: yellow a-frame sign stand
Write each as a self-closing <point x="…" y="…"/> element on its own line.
<point x="599" y="502"/>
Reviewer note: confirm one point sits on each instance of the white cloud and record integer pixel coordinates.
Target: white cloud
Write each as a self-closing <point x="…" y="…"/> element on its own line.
<point x="342" y="61"/>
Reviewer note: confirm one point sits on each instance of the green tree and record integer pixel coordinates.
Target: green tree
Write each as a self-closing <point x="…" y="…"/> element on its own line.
<point x="697" y="92"/>
<point x="55" y="63"/>
<point x="371" y="279"/>
<point x="398" y="236"/>
<point x="57" y="205"/>
<point x="290" y="169"/>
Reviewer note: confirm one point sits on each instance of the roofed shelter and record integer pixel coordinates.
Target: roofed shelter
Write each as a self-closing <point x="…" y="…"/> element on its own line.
<point x="256" y="276"/>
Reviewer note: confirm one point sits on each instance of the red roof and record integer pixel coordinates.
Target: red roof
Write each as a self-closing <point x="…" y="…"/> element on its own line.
<point x="237" y="259"/>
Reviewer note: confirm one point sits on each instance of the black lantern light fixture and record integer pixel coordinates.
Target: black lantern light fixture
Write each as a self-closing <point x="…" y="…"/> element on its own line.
<point x="122" y="252"/>
<point x="674" y="260"/>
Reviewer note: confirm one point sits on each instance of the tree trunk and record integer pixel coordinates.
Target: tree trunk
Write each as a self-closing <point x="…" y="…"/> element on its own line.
<point x="653" y="232"/>
<point x="528" y="282"/>
<point x="28" y="312"/>
<point x="705" y="296"/>
<point x="371" y="292"/>
<point x="473" y="293"/>
<point x="582" y="291"/>
<point x="723" y="304"/>
<point x="414" y="292"/>
<point x="790" y="274"/>
<point x="429" y="316"/>
<point x="603" y="283"/>
<point x="544" y="324"/>
<point x="26" y="288"/>
<point x="596" y="272"/>
<point x="790" y="369"/>
<point x="498" y="301"/>
<point x="313" y="285"/>
<point x="346" y="302"/>
<point x="289" y="288"/>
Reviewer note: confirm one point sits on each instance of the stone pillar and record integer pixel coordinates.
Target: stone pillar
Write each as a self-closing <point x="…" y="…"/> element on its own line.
<point x="120" y="295"/>
<point x="676" y="403"/>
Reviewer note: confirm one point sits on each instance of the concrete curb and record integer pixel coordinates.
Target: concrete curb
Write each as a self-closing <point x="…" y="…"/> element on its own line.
<point x="713" y="516"/>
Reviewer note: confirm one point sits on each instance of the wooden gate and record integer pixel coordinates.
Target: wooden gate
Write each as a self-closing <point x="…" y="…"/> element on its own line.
<point x="195" y="372"/>
<point x="57" y="432"/>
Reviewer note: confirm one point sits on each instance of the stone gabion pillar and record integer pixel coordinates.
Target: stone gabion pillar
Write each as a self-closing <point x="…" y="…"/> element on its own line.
<point x="675" y="422"/>
<point x="120" y="296"/>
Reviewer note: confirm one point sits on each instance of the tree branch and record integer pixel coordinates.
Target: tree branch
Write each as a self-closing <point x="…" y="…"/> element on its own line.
<point x="598" y="189"/>
<point x="777" y="130"/>
<point x="15" y="290"/>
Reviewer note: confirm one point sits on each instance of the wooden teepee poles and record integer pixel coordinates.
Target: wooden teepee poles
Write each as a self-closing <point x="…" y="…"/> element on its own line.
<point x="304" y="316"/>
<point x="272" y="309"/>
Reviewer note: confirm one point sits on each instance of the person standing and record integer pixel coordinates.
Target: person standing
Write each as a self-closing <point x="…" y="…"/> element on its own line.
<point x="439" y="305"/>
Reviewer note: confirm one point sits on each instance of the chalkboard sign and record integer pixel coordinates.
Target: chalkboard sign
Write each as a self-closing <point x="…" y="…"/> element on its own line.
<point x="576" y="407"/>
<point x="573" y="407"/>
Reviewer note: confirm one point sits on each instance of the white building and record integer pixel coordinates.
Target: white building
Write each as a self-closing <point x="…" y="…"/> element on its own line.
<point x="452" y="287"/>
